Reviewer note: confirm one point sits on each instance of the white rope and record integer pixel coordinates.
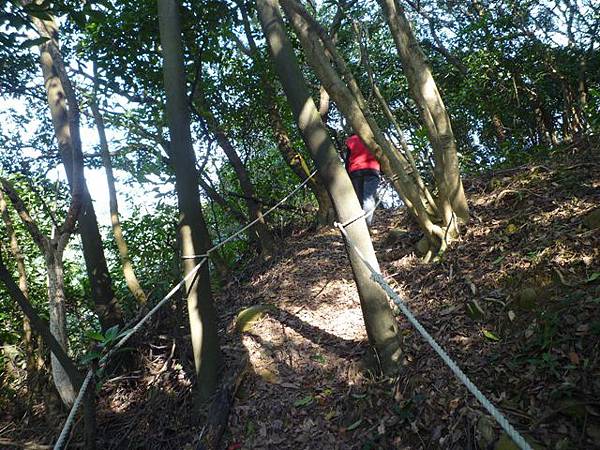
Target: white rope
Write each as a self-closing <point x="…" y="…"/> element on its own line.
<point x="69" y="422"/>
<point x="464" y="379"/>
<point x="61" y="442"/>
<point x="267" y="212"/>
<point x="70" y="419"/>
<point x="150" y="313"/>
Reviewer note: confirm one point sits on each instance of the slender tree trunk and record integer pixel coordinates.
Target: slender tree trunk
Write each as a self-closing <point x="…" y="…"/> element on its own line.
<point x="293" y="158"/>
<point x="381" y="326"/>
<point x="352" y="104"/>
<point x="193" y="233"/>
<point x="53" y="247"/>
<point x="105" y="302"/>
<point x="267" y="243"/>
<point x="433" y="113"/>
<point x="130" y="278"/>
<point x="15" y="250"/>
<point x="431" y="205"/>
<point x="58" y="322"/>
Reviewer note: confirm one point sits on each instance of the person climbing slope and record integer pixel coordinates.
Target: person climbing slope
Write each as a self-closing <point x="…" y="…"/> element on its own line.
<point x="364" y="172"/>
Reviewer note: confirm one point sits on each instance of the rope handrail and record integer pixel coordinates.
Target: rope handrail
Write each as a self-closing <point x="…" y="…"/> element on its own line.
<point x="517" y="438"/>
<point x="266" y="213"/>
<point x="61" y="441"/>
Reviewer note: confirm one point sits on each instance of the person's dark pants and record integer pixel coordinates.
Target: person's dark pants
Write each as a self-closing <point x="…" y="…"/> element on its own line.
<point x="365" y="186"/>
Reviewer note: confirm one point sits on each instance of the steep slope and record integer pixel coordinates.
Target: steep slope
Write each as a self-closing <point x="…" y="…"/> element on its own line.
<point x="515" y="302"/>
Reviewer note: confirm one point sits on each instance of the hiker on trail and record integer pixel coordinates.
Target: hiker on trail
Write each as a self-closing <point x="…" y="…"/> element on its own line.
<point x="364" y="173"/>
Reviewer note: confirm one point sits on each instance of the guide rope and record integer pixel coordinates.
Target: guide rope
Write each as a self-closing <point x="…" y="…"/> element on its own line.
<point x="267" y="212"/>
<point x="60" y="443"/>
<point x="463" y="378"/>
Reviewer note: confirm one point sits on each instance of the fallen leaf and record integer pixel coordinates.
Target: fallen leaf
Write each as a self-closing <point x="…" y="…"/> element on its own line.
<point x="304" y="401"/>
<point x="593" y="277"/>
<point x="574" y="358"/>
<point x="491" y="336"/>
<point x="511" y="228"/>
<point x="331" y="414"/>
<point x="354" y="426"/>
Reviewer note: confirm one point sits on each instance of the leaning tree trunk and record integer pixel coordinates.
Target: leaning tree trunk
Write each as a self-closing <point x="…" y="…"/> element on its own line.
<point x="105" y="302"/>
<point x="352" y="104"/>
<point x="432" y="206"/>
<point x="265" y="237"/>
<point x="424" y="91"/>
<point x="193" y="233"/>
<point x="381" y="326"/>
<point x="293" y="158"/>
<point x="130" y="278"/>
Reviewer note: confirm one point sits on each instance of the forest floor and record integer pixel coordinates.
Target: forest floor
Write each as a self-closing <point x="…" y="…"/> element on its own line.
<point x="515" y="302"/>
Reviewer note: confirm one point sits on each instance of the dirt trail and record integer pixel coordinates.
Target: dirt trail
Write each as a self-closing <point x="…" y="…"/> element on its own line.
<point x="536" y="355"/>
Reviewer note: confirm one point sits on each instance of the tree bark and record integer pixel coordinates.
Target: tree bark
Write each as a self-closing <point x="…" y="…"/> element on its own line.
<point x="193" y="234"/>
<point x="293" y="158"/>
<point x="433" y="113"/>
<point x="105" y="302"/>
<point x="130" y="278"/>
<point x="381" y="326"/>
<point x="58" y="322"/>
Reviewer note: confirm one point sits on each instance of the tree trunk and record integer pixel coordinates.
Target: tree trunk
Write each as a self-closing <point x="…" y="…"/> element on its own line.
<point x="352" y="104"/>
<point x="105" y="302"/>
<point x="431" y="205"/>
<point x="265" y="238"/>
<point x="381" y="326"/>
<point x="53" y="247"/>
<point x="325" y="213"/>
<point x="130" y="278"/>
<point x="193" y="234"/>
<point x="433" y="113"/>
<point x="58" y="322"/>
<point x="293" y="158"/>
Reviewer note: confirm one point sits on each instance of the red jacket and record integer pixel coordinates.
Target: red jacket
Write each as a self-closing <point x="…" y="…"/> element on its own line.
<point x="360" y="158"/>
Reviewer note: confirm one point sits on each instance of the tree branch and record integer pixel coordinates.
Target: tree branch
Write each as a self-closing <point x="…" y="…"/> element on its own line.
<point x="38" y="237"/>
